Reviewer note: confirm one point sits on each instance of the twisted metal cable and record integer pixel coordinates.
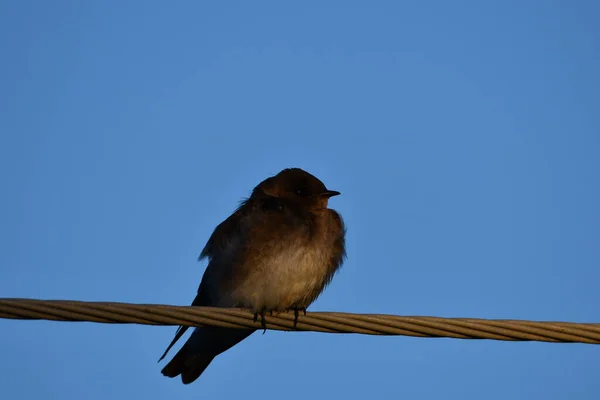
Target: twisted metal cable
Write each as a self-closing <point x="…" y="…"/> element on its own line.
<point x="329" y="322"/>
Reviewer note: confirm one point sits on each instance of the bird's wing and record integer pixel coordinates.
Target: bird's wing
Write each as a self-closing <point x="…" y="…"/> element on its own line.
<point x="216" y="245"/>
<point x="182" y="329"/>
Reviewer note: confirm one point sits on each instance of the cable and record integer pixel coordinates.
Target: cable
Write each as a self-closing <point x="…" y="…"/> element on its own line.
<point x="329" y="322"/>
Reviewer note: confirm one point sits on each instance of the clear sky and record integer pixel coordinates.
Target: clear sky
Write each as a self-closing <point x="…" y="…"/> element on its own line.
<point x="463" y="135"/>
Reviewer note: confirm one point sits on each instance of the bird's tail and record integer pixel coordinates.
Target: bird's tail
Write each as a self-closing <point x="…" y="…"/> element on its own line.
<point x="200" y="349"/>
<point x="190" y="367"/>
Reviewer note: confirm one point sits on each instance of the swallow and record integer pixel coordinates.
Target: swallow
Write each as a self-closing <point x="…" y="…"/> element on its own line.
<point x="276" y="253"/>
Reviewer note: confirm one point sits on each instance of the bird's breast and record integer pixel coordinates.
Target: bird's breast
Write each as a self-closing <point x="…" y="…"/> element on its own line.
<point x="290" y="277"/>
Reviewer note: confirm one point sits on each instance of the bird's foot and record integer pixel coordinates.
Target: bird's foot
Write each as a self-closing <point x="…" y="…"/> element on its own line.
<point x="296" y="313"/>
<point x="263" y="323"/>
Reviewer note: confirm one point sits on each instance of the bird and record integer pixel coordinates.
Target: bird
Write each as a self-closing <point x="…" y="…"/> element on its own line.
<point x="275" y="253"/>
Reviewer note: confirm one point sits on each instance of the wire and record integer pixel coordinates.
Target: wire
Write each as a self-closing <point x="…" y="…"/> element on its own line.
<point x="329" y="322"/>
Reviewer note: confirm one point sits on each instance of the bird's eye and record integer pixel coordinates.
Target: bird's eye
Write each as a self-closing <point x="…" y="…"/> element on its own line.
<point x="299" y="192"/>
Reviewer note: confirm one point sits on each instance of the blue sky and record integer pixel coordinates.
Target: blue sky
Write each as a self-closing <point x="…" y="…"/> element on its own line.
<point x="464" y="137"/>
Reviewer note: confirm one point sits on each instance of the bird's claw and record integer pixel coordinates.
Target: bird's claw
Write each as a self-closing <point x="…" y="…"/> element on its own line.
<point x="296" y="313"/>
<point x="263" y="323"/>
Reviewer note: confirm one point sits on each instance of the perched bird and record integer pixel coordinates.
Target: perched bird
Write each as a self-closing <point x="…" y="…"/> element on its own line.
<point x="275" y="253"/>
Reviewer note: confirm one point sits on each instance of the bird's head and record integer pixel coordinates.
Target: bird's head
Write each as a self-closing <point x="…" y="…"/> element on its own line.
<point x="296" y="186"/>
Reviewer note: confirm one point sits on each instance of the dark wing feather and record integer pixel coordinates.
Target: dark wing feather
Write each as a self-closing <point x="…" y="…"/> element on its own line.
<point x="226" y="229"/>
<point x="216" y="244"/>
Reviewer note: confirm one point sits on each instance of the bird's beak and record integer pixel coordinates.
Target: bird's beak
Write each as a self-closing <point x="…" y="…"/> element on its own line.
<point x="330" y="193"/>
